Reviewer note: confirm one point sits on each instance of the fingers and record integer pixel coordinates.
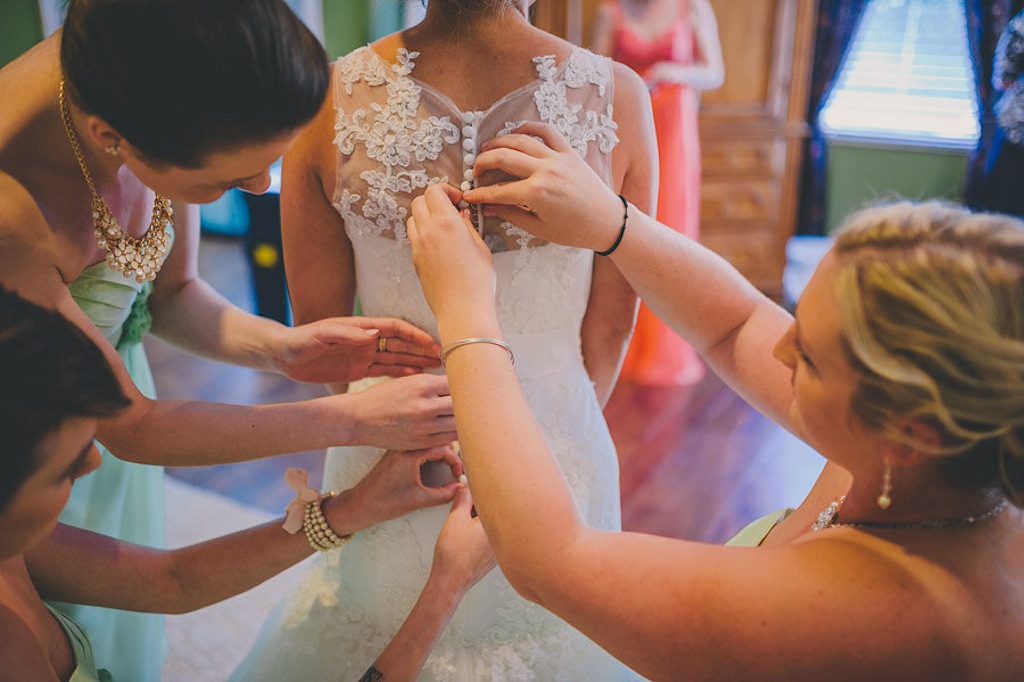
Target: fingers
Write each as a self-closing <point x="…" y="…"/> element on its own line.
<point x="342" y="330"/>
<point x="463" y="500"/>
<point x="444" y="454"/>
<point x="440" y="199"/>
<point x="440" y="437"/>
<point x="519" y="163"/>
<point x="545" y="131"/>
<point x="400" y="329"/>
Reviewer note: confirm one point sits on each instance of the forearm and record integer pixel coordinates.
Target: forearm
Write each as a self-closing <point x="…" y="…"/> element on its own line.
<point x="517" y="486"/>
<point x="199" y="320"/>
<point x="709" y="303"/>
<point x="136" y="578"/>
<point x="192" y="433"/>
<point x="405" y="654"/>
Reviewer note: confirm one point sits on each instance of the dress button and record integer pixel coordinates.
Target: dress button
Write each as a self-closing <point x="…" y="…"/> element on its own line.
<point x="468" y="145"/>
<point x="468" y="175"/>
<point x="467" y="116"/>
<point x="466" y="185"/>
<point x="463" y="204"/>
<point x="469" y="159"/>
<point x="468" y="131"/>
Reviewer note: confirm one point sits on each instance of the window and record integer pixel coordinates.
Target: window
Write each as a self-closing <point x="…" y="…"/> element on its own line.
<point x="907" y="78"/>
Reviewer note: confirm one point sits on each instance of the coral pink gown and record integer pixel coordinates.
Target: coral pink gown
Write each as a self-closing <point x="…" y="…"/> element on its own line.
<point x="657" y="356"/>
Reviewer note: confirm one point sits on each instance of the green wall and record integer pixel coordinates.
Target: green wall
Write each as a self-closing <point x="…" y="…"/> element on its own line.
<point x="860" y="174"/>
<point x="348" y="24"/>
<point x="20" y="27"/>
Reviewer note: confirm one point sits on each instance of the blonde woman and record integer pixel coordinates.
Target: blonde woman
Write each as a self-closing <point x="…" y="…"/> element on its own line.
<point x="903" y="366"/>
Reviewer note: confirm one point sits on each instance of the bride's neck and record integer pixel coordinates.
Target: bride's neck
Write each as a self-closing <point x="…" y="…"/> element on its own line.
<point x="444" y="21"/>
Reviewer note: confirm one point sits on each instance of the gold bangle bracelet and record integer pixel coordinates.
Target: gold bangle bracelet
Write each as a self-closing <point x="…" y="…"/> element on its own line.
<point x="447" y="350"/>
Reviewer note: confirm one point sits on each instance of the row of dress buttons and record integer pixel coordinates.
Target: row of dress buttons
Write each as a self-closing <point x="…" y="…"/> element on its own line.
<point x="470" y="121"/>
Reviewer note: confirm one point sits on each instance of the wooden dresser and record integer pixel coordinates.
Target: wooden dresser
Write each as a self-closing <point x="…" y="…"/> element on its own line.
<point x="752" y="128"/>
<point x="752" y="134"/>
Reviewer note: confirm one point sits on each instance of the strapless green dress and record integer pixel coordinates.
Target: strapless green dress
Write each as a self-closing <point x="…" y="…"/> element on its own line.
<point x="85" y="663"/>
<point x="120" y="499"/>
<point x="754" y="533"/>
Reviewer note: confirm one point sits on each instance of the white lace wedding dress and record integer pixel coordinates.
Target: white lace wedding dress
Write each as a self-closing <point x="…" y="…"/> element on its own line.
<point x="394" y="136"/>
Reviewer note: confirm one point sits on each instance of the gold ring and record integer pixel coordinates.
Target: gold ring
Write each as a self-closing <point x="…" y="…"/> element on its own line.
<point x="382" y="344"/>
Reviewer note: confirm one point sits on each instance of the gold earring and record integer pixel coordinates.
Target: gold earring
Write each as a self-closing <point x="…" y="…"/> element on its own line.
<point x="114" y="149"/>
<point x="884" y="500"/>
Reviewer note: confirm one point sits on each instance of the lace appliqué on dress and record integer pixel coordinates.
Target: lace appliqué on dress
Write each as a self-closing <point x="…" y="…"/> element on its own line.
<point x="554" y="108"/>
<point x="393" y="137"/>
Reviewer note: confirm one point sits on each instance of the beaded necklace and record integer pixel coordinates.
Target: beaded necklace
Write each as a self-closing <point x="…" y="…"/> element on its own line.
<point x="138" y="258"/>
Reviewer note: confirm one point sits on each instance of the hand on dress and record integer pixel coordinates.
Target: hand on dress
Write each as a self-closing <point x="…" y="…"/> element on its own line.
<point x="344" y="349"/>
<point x="405" y="413"/>
<point x="558" y="198"/>
<point x="462" y="555"/>
<point x="453" y="263"/>
<point x="392" y="488"/>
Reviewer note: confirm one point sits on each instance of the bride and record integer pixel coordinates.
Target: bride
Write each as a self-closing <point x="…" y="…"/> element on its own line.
<point x="412" y="108"/>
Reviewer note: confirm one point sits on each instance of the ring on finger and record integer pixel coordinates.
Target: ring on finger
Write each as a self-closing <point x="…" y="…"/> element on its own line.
<point x="382" y="344"/>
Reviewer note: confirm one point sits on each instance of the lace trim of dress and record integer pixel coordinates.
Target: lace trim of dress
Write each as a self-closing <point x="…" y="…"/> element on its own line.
<point x="394" y="135"/>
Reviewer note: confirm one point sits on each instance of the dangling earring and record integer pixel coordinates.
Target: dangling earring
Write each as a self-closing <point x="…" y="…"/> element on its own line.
<point x="884" y="500"/>
<point x="114" y="149"/>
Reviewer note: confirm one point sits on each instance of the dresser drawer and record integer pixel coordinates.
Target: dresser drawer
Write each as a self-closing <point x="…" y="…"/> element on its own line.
<point x="740" y="201"/>
<point x="744" y="157"/>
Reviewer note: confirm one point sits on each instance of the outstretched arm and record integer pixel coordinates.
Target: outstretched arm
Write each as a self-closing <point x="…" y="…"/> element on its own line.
<point x="188" y="313"/>
<point x="696" y="292"/>
<point x="408" y="412"/>
<point x="78" y="566"/>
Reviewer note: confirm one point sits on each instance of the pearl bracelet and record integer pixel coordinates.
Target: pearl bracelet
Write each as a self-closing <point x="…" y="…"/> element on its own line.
<point x="321" y="536"/>
<point x="446" y="351"/>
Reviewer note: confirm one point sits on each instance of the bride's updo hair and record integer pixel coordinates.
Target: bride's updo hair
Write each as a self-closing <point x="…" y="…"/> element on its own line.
<point x="183" y="79"/>
<point x="931" y="305"/>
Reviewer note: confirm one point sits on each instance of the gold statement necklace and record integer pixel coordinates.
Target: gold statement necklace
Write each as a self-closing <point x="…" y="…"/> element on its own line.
<point x="138" y="258"/>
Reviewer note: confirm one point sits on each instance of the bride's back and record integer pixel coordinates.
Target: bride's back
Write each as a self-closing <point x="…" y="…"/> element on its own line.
<point x="475" y="58"/>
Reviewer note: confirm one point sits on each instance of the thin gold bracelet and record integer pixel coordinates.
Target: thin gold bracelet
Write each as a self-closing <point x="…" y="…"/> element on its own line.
<point x="447" y="350"/>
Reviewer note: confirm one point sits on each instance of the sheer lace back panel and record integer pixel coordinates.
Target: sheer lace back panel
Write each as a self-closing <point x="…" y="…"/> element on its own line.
<point x="396" y="135"/>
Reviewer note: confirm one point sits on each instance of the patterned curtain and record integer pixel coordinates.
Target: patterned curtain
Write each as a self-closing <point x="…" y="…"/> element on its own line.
<point x="986" y="20"/>
<point x="837" y="23"/>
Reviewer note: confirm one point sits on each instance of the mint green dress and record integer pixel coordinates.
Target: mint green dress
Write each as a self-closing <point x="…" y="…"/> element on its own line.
<point x="121" y="499"/>
<point x="85" y="663"/>
<point x="754" y="533"/>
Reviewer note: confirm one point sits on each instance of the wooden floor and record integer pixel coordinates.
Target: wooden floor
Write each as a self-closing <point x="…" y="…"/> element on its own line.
<point x="696" y="462"/>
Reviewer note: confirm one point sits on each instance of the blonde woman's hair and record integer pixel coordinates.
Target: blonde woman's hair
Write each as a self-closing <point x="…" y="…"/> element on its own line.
<point x="931" y="304"/>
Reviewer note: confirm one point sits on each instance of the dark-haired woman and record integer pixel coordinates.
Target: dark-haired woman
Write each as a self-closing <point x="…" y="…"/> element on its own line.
<point x="54" y="384"/>
<point x="107" y="132"/>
